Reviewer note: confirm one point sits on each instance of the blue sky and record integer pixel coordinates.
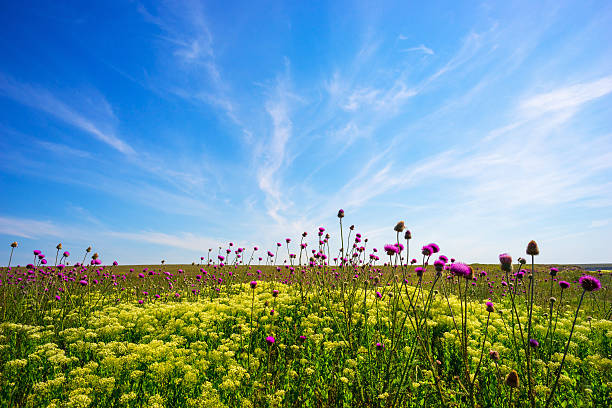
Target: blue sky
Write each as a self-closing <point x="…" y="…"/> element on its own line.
<point x="156" y="130"/>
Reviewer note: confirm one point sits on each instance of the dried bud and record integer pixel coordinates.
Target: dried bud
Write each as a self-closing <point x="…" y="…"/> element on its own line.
<point x="88" y="249"/>
<point x="522" y="261"/>
<point x="399" y="227"/>
<point x="494" y="355"/>
<point x="95" y="256"/>
<point x="341" y="213"/>
<point x="59" y="246"/>
<point x="532" y="248"/>
<point x="14" y="244"/>
<point x="512" y="379"/>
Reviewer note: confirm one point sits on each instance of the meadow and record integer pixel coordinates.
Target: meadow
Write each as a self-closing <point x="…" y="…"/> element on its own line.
<point x="298" y="326"/>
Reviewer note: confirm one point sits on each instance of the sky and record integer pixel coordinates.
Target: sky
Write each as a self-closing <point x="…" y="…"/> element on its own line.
<point x="157" y="130"/>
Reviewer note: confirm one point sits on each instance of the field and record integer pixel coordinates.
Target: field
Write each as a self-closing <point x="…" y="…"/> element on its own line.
<point x="374" y="330"/>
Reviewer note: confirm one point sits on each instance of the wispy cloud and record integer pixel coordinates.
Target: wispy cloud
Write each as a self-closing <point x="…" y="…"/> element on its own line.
<point x="567" y="97"/>
<point x="28" y="228"/>
<point x="42" y="99"/>
<point x="422" y="48"/>
<point x="273" y="153"/>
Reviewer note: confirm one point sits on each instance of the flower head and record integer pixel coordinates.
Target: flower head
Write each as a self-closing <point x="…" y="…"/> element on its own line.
<point x="270" y="340"/>
<point x="379" y="346"/>
<point x="407" y="234"/>
<point x="399" y="227"/>
<point x="494" y="355"/>
<point x="533" y="343"/>
<point x="553" y="271"/>
<point x="490" y="307"/>
<point x="532" y="248"/>
<point x="460" y="269"/>
<point x="14" y="244"/>
<point x="253" y="284"/>
<point x="427" y="250"/>
<point x="564" y="284"/>
<point x="506" y="262"/>
<point x="391" y="249"/>
<point x="589" y="283"/>
<point x="512" y="379"/>
<point x="434" y="247"/>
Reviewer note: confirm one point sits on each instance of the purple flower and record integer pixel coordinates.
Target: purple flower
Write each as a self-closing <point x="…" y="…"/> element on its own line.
<point x="275" y="293"/>
<point x="553" y="271"/>
<point x="439" y="265"/>
<point x="379" y="346"/>
<point x="434" y="247"/>
<point x="564" y="284"/>
<point x="302" y="339"/>
<point x="460" y="269"/>
<point x="58" y="297"/>
<point x="37" y="252"/>
<point x="83" y="282"/>
<point x="490" y="307"/>
<point x="427" y="250"/>
<point x="253" y="284"/>
<point x="419" y="271"/>
<point x="533" y="343"/>
<point x="443" y="258"/>
<point x="270" y="340"/>
<point x="589" y="283"/>
<point x="66" y="254"/>
<point x="391" y="249"/>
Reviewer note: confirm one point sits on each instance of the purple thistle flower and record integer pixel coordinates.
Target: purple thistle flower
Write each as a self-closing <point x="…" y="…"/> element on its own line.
<point x="443" y="258"/>
<point x="460" y="269"/>
<point x="253" y="284"/>
<point x="427" y="250"/>
<point x="419" y="271"/>
<point x="391" y="249"/>
<point x="533" y="343"/>
<point x="270" y="340"/>
<point x="435" y="247"/>
<point x="83" y="282"/>
<point x="564" y="284"/>
<point x="66" y="254"/>
<point x="589" y="283"/>
<point x="379" y="346"/>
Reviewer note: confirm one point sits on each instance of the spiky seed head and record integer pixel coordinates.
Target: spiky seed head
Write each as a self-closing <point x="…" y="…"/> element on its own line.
<point x="512" y="379"/>
<point x="532" y="248"/>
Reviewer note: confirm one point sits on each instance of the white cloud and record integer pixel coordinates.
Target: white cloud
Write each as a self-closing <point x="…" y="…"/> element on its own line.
<point x="567" y="97"/>
<point x="43" y="100"/>
<point x="422" y="48"/>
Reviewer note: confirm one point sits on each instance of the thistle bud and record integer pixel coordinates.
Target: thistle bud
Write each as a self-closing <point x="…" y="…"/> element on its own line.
<point x="341" y="213"/>
<point x="59" y="246"/>
<point x="14" y="244"/>
<point x="95" y="256"/>
<point x="532" y="248"/>
<point x="88" y="249"/>
<point x="512" y="379"/>
<point x="399" y="227"/>
<point x="494" y="355"/>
